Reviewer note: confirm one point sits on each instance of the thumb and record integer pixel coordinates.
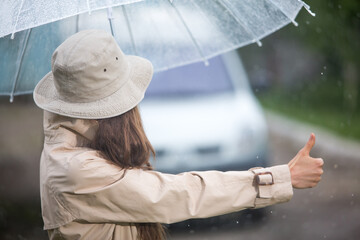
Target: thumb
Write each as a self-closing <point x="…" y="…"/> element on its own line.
<point x="309" y="145"/>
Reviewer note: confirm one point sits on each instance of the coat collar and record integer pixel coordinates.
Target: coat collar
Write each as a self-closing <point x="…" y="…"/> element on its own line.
<point x="77" y="132"/>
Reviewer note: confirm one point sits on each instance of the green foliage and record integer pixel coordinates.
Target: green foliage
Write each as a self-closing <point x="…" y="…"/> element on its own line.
<point x="330" y="97"/>
<point x="334" y="32"/>
<point x="304" y="106"/>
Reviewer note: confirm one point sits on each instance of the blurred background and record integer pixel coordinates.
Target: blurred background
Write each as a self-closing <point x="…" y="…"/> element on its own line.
<point x="303" y="79"/>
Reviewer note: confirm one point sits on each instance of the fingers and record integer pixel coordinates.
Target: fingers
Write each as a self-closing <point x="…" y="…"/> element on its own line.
<point x="320" y="162"/>
<point x="318" y="171"/>
<point x="309" y="145"/>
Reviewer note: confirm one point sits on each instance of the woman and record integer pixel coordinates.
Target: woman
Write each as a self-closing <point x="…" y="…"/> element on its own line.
<point x="96" y="178"/>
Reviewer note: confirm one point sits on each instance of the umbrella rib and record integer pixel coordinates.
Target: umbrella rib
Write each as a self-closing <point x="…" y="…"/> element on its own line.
<point x="206" y="62"/>
<point x="286" y="15"/>
<point x="88" y="5"/>
<point x="129" y="29"/>
<point x="248" y="30"/>
<point x="20" y="64"/>
<point x="110" y="18"/>
<point x="307" y="7"/>
<point x="17" y="19"/>
<point x="77" y="24"/>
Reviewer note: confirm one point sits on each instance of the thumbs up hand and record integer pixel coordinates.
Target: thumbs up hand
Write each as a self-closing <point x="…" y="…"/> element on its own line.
<point x="306" y="171"/>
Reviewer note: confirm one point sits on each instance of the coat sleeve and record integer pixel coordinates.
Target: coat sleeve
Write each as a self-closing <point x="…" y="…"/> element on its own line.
<point x="102" y="192"/>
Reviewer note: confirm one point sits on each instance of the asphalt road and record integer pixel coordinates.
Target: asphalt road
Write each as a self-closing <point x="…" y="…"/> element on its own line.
<point x="329" y="211"/>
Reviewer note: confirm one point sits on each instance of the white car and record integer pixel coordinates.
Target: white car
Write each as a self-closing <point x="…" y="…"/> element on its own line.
<point x="201" y="117"/>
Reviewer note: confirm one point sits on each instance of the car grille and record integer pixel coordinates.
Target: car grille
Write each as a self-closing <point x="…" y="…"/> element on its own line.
<point x="160" y="152"/>
<point x="199" y="151"/>
<point x="208" y="150"/>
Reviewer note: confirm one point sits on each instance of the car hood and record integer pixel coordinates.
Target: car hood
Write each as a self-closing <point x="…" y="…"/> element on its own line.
<point x="197" y="121"/>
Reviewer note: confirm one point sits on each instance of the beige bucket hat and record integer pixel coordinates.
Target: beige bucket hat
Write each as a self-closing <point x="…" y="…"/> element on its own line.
<point x="92" y="78"/>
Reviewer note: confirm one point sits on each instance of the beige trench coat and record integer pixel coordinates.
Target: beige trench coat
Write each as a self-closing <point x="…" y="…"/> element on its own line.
<point x="84" y="196"/>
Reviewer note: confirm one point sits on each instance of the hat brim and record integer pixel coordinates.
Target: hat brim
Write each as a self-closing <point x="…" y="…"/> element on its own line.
<point x="121" y="101"/>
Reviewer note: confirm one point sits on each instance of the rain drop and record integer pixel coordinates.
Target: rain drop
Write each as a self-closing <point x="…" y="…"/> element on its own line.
<point x="322" y="73"/>
<point x="237" y="222"/>
<point x="271" y="212"/>
<point x="331" y="196"/>
<point x="324" y="67"/>
<point x="335" y="166"/>
<point x="307" y="22"/>
<point x="339" y="6"/>
<point x="352" y="195"/>
<point x="257" y="157"/>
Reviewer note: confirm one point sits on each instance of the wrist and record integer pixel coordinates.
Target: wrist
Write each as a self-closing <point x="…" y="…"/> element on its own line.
<point x="291" y="174"/>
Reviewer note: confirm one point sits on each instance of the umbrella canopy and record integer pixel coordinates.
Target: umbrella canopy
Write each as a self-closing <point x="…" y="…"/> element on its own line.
<point x="18" y="15"/>
<point x="168" y="33"/>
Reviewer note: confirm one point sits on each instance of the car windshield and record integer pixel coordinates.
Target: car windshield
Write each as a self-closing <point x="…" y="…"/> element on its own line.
<point x="190" y="80"/>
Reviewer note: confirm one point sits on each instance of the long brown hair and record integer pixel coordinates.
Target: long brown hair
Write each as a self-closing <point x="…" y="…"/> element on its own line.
<point x="122" y="140"/>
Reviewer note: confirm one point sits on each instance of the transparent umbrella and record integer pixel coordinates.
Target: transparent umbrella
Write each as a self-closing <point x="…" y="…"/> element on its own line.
<point x="168" y="33"/>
